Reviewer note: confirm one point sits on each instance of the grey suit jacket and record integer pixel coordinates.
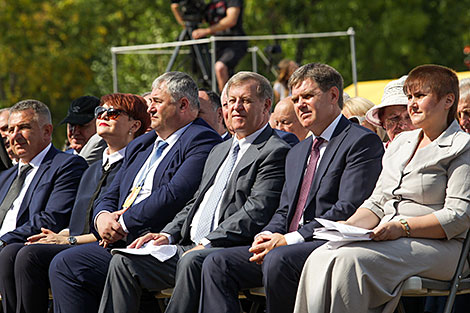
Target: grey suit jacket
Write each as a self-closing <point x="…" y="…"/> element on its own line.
<point x="251" y="196"/>
<point x="92" y="151"/>
<point x="435" y="181"/>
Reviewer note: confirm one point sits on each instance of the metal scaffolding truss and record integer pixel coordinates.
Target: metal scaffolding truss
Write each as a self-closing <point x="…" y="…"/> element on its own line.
<point x="162" y="48"/>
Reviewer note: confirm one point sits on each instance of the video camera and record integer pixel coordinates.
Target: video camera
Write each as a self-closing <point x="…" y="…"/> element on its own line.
<point x="193" y="11"/>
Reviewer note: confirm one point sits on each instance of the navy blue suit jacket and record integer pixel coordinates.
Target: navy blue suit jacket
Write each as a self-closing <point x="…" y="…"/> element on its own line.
<point x="345" y="177"/>
<point x="176" y="179"/>
<point x="49" y="199"/>
<point x="86" y="189"/>
<point x="290" y="138"/>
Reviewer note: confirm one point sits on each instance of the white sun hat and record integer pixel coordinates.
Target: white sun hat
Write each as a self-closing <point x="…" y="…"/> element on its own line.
<point x="393" y="95"/>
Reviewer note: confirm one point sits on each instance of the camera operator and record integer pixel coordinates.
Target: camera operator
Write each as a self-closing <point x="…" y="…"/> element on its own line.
<point x="225" y="18"/>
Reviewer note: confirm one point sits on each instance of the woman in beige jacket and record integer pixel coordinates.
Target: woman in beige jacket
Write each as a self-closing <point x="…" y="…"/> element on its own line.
<point x="419" y="211"/>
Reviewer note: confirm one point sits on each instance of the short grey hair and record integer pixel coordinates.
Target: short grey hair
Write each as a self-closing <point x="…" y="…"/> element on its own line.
<point x="464" y="88"/>
<point x="43" y="115"/>
<point x="179" y="85"/>
<point x="323" y="75"/>
<point x="264" y="90"/>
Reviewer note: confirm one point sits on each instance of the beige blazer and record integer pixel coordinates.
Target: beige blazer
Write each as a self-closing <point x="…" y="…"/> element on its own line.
<point x="436" y="181"/>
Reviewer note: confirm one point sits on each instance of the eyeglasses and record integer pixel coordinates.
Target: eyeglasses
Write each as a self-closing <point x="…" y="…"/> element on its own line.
<point x="111" y="113"/>
<point x="403" y="119"/>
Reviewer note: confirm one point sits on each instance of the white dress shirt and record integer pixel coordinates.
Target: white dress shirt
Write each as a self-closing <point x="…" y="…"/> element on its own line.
<point x="9" y="223"/>
<point x="148" y="181"/>
<point x="244" y="144"/>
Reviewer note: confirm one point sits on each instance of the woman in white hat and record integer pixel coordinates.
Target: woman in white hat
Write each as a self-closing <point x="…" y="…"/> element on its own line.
<point x="391" y="113"/>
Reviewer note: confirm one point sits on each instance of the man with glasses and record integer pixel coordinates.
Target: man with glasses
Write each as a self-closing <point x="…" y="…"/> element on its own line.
<point x="81" y="129"/>
<point x="392" y="114"/>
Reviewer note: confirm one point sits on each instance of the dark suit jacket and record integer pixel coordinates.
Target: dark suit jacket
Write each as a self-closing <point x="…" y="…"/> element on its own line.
<point x="290" y="138"/>
<point x="50" y="196"/>
<point x="86" y="189"/>
<point x="345" y="177"/>
<point x="251" y="196"/>
<point x="176" y="179"/>
<point x="5" y="161"/>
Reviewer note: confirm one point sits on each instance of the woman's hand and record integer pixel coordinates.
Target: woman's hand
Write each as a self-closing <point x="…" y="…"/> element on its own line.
<point x="388" y="231"/>
<point x="47" y="237"/>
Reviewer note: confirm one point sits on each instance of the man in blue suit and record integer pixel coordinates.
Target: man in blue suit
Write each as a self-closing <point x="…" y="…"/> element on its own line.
<point x="40" y="190"/>
<point x="160" y="173"/>
<point x="328" y="175"/>
<point x="48" y="181"/>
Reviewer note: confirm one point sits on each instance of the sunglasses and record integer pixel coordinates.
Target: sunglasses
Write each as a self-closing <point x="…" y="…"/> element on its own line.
<point x="111" y="113"/>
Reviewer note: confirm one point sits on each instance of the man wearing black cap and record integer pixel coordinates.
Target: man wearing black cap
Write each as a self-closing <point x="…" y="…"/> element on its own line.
<point x="81" y="129"/>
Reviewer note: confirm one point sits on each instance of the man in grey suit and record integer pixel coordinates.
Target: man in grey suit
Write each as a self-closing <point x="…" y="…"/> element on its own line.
<point x="240" y="189"/>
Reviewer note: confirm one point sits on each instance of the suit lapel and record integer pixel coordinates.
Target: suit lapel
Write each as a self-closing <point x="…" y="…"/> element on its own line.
<point x="333" y="145"/>
<point x="136" y="161"/>
<point x="250" y="156"/>
<point x="13" y="172"/>
<point x="45" y="165"/>
<point x="297" y="173"/>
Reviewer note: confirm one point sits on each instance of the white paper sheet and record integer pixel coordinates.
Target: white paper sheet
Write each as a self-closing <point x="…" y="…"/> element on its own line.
<point x="162" y="253"/>
<point x="339" y="234"/>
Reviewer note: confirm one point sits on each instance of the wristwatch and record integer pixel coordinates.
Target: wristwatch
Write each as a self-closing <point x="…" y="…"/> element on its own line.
<point x="72" y="240"/>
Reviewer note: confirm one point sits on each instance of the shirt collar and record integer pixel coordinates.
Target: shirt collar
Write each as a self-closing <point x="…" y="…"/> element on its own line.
<point x="37" y="160"/>
<point x="248" y="140"/>
<point x="328" y="132"/>
<point x="173" y="138"/>
<point x="113" y="157"/>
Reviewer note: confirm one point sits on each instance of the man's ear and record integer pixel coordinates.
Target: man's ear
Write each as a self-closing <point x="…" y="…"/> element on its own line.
<point x="334" y="95"/>
<point x="47" y="131"/>
<point x="184" y="104"/>
<point x="267" y="104"/>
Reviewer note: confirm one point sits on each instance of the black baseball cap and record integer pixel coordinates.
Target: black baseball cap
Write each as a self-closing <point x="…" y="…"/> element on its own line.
<point x="81" y="110"/>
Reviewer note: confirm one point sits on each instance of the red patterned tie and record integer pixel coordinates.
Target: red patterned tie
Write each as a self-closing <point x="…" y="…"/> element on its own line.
<point x="306" y="183"/>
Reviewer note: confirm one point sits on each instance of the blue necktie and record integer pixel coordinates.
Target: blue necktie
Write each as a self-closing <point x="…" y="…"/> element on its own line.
<point x="204" y="225"/>
<point x="161" y="145"/>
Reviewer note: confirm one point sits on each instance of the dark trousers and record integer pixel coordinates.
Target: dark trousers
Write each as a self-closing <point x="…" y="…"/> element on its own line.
<point x="77" y="277"/>
<point x="24" y="280"/>
<point x="130" y="275"/>
<point x="226" y="272"/>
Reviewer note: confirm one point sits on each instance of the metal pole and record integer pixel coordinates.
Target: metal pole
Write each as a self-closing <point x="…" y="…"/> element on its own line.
<point x="254" y="63"/>
<point x="351" y="34"/>
<point x="214" y="78"/>
<point x="115" y="75"/>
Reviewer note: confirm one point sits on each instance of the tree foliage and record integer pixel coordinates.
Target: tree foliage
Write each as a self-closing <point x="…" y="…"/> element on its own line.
<point x="58" y="50"/>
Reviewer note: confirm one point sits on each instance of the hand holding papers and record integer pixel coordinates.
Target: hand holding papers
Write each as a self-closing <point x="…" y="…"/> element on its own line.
<point x="162" y="252"/>
<point x="339" y="234"/>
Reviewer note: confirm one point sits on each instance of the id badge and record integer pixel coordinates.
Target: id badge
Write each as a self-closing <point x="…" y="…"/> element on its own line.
<point x="131" y="197"/>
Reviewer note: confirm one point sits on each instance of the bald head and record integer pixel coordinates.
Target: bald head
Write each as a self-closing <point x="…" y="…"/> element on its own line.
<point x="285" y="119"/>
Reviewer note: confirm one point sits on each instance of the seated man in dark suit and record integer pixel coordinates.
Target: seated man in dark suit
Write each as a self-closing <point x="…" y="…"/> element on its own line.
<point x="328" y="175"/>
<point x="120" y="119"/>
<point x="40" y="190"/>
<point x="239" y="192"/>
<point x="160" y="173"/>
